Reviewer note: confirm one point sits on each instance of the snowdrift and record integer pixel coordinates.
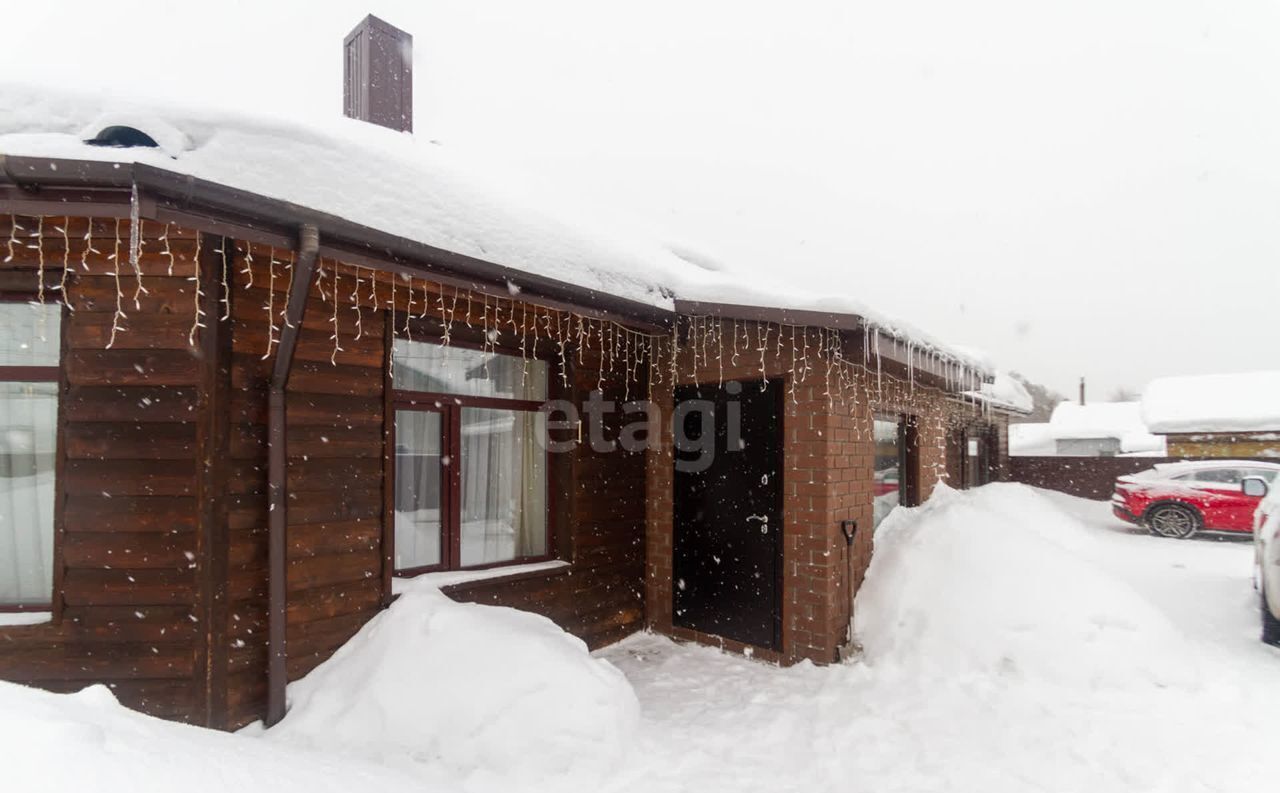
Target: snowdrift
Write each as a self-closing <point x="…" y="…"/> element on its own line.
<point x="995" y="583"/>
<point x="87" y="742"/>
<point x="466" y="686"/>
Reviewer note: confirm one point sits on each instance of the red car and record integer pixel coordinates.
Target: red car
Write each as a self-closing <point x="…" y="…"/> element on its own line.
<point x="1179" y="499"/>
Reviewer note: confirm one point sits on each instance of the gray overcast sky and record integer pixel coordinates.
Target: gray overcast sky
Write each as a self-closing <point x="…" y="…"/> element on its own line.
<point x="1080" y="187"/>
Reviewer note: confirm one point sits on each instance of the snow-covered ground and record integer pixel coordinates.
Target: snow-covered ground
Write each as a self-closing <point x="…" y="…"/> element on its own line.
<point x="988" y="708"/>
<point x="1016" y="640"/>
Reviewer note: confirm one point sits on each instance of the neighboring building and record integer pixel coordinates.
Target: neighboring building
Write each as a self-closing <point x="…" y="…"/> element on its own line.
<point x="259" y="373"/>
<point x="1100" y="429"/>
<point x="1221" y="415"/>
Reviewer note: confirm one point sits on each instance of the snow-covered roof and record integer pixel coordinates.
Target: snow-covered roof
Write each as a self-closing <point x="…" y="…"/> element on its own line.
<point x="1241" y="402"/>
<point x="414" y="189"/>
<point x="1004" y="393"/>
<point x="1071" y="421"/>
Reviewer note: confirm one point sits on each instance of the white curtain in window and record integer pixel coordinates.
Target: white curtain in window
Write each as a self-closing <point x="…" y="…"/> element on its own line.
<point x="418" y="515"/>
<point x="28" y="438"/>
<point x="504" y="487"/>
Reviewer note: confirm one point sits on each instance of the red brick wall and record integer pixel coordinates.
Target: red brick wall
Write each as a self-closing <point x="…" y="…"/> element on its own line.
<point x="828" y="462"/>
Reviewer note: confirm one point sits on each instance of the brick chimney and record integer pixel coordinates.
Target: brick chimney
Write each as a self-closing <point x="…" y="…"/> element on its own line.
<point x="378" y="75"/>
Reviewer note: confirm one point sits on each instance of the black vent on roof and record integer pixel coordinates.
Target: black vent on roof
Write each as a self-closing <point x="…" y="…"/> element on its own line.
<point x="123" y="138"/>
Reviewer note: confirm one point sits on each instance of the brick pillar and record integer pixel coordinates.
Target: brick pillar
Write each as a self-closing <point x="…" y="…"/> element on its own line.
<point x="659" y="516"/>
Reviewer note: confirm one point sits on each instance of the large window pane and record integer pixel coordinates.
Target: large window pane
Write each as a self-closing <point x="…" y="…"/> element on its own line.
<point x="28" y="438"/>
<point x="428" y="366"/>
<point x="504" y="486"/>
<point x="887" y="478"/>
<point x="30" y="334"/>
<point x="418" y="467"/>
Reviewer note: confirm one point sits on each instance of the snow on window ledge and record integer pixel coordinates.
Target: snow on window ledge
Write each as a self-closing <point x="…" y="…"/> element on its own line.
<point x="447" y="578"/>
<point x="14" y="618"/>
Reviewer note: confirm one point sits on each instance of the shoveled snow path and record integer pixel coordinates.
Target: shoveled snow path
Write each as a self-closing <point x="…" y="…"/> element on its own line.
<point x="718" y="722"/>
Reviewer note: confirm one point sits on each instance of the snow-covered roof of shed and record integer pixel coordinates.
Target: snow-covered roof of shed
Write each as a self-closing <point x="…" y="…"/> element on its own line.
<point x="411" y="188"/>
<point x="1004" y="393"/>
<point x="1240" y="402"/>
<point x="1071" y="421"/>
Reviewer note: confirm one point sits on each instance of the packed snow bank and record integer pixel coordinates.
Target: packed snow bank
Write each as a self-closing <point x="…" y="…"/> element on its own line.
<point x="997" y="581"/>
<point x="87" y="742"/>
<point x="1241" y="402"/>
<point x="468" y="687"/>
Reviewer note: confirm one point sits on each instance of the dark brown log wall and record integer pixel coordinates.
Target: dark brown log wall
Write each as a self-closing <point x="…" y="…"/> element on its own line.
<point x="334" y="409"/>
<point x="133" y="425"/>
<point x="601" y="598"/>
<point x="163" y="482"/>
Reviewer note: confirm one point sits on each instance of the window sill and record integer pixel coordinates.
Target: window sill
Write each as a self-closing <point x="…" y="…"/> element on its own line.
<point x="458" y="579"/>
<point x="10" y="619"/>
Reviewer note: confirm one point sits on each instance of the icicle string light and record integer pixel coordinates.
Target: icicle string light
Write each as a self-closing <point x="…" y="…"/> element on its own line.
<point x="355" y="305"/>
<point x="13" y="237"/>
<point x="119" y="312"/>
<point x="623" y="352"/>
<point x="224" y="254"/>
<point x="168" y="249"/>
<point x="197" y="322"/>
<point x="270" y="304"/>
<point x="284" y="310"/>
<point x="40" y="270"/>
<point x="247" y="272"/>
<point x="408" y="312"/>
<point x="66" y="262"/>
<point x="337" y="346"/>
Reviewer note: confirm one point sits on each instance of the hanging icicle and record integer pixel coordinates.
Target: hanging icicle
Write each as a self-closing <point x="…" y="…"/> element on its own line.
<point x="135" y="247"/>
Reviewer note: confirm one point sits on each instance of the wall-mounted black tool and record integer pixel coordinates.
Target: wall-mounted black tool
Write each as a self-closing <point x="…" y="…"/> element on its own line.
<point x="848" y="528"/>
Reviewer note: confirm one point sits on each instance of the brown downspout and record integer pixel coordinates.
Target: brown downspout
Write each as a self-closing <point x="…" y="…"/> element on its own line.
<point x="300" y="286"/>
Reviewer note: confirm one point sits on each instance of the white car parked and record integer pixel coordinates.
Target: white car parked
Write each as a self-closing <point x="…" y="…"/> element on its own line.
<point x="1266" y="543"/>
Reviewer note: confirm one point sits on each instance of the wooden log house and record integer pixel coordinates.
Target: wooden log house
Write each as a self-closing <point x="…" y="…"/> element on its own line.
<point x="233" y="421"/>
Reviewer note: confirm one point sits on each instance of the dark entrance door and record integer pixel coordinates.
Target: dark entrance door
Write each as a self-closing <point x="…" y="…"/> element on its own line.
<point x="727" y="556"/>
